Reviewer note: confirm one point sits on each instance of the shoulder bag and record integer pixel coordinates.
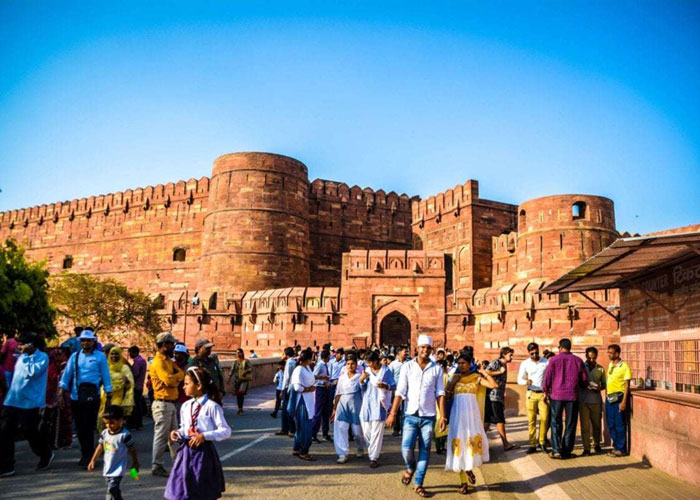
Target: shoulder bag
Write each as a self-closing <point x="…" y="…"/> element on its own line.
<point x="87" y="392"/>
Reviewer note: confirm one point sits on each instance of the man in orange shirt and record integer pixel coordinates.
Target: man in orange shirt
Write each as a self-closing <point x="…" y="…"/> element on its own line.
<point x="165" y="378"/>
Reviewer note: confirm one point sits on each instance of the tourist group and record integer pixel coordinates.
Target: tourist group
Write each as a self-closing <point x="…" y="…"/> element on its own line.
<point x="449" y="398"/>
<point x="442" y="396"/>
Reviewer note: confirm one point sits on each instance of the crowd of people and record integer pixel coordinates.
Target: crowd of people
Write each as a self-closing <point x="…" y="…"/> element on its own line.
<point x="447" y="397"/>
<point x="89" y="389"/>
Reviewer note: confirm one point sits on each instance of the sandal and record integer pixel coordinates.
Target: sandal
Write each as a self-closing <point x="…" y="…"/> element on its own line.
<point x="296" y="453"/>
<point x="511" y="447"/>
<point x="464" y="489"/>
<point x="308" y="458"/>
<point x="373" y="464"/>
<point x="407" y="476"/>
<point x="471" y="477"/>
<point x="420" y="491"/>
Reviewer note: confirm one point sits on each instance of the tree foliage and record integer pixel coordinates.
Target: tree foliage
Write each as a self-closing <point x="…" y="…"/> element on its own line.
<point x="24" y="298"/>
<point x="105" y="305"/>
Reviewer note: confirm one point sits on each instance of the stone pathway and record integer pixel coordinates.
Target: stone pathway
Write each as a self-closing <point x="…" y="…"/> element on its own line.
<point x="597" y="477"/>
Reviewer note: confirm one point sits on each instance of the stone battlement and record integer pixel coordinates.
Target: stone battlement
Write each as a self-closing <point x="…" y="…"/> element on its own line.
<point x="344" y="194"/>
<point x="448" y="201"/>
<point x="138" y="198"/>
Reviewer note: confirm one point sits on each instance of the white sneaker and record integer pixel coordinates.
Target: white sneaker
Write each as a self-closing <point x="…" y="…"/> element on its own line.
<point x="360" y="453"/>
<point x="342" y="459"/>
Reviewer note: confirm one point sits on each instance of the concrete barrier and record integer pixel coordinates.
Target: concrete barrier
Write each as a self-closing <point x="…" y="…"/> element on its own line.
<point x="263" y="371"/>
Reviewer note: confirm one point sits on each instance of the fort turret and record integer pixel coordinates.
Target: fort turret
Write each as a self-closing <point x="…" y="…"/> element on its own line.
<point x="256" y="232"/>
<point x="556" y="233"/>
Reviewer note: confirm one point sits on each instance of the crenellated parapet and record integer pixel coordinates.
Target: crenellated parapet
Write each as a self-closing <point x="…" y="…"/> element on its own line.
<point x="144" y="198"/>
<point x="447" y="202"/>
<point x="341" y="193"/>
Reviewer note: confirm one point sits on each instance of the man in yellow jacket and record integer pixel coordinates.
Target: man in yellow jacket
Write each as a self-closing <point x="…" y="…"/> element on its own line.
<point x="165" y="378"/>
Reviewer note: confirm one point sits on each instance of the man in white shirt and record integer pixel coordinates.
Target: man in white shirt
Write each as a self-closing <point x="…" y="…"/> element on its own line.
<point x="395" y="369"/>
<point x="421" y="385"/>
<point x="531" y="374"/>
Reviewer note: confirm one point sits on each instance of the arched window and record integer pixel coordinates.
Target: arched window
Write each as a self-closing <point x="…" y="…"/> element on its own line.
<point x="578" y="210"/>
<point x="67" y="262"/>
<point x="179" y="255"/>
<point x="522" y="221"/>
<point x="212" y="301"/>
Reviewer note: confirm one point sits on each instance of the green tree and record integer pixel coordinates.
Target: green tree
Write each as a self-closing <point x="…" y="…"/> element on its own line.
<point x="24" y="298"/>
<point x="106" y="305"/>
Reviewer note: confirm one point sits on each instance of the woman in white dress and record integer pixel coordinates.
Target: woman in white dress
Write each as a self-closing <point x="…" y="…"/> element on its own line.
<point x="467" y="444"/>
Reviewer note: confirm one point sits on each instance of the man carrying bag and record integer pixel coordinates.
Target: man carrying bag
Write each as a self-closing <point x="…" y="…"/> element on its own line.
<point x="85" y="372"/>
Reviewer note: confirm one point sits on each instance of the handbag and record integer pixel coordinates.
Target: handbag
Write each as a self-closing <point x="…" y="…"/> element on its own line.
<point x="87" y="392"/>
<point x="248" y="373"/>
<point x="615" y="397"/>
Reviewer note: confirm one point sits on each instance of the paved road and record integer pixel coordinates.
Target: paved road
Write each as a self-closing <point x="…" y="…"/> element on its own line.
<point x="259" y="465"/>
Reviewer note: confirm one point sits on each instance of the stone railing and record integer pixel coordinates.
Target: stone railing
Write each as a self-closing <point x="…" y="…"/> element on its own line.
<point x="263" y="371"/>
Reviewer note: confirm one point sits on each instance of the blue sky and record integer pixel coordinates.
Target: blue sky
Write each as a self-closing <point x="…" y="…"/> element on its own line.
<point x="531" y="98"/>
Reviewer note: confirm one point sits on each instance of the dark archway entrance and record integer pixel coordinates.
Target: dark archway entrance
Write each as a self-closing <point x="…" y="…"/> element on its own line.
<point x="395" y="330"/>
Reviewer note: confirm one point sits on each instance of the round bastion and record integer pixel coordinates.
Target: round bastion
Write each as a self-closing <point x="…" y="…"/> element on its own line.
<point x="256" y="231"/>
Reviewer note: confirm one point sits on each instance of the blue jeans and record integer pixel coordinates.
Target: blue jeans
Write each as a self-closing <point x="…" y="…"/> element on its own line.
<point x="113" y="490"/>
<point x="563" y="431"/>
<point x="302" y="437"/>
<point x="420" y="428"/>
<point x="617" y="425"/>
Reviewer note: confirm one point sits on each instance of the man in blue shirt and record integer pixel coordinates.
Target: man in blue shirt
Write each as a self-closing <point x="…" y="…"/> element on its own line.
<point x="73" y="343"/>
<point x="85" y="372"/>
<point x="26" y="397"/>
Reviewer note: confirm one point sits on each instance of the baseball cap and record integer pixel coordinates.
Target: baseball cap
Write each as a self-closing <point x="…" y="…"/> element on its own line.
<point x="165" y="337"/>
<point x="202" y="343"/>
<point x="181" y="348"/>
<point x="87" y="334"/>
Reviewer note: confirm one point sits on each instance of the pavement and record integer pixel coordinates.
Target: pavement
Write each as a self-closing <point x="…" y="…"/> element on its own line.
<point x="257" y="464"/>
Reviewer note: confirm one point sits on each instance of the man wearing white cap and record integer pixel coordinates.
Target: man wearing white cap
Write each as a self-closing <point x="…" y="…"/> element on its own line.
<point x="421" y="385"/>
<point x="85" y="372"/>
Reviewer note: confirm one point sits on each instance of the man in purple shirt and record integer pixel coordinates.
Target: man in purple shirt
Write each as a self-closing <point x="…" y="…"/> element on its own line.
<point x="138" y="368"/>
<point x="562" y="380"/>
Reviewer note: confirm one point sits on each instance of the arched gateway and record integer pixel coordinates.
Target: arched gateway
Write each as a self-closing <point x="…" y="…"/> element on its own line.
<point x="395" y="329"/>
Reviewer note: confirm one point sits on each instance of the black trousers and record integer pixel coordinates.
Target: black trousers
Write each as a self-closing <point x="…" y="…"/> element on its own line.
<point x="30" y="422"/>
<point x="287" y="419"/>
<point x="85" y="418"/>
<point x="563" y="427"/>
<point x="398" y="420"/>
<point x="135" y="420"/>
<point x="278" y="400"/>
<point x="322" y="412"/>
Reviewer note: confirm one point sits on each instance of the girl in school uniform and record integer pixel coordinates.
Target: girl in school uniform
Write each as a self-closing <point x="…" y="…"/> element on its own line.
<point x="377" y="383"/>
<point x="346" y="411"/>
<point x="197" y="472"/>
<point x="302" y="404"/>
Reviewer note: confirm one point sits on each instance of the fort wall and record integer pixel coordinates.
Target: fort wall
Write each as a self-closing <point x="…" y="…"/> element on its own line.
<point x="130" y="235"/>
<point x="259" y="257"/>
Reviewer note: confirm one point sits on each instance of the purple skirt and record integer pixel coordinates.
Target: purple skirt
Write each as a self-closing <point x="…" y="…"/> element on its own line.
<point x="196" y="474"/>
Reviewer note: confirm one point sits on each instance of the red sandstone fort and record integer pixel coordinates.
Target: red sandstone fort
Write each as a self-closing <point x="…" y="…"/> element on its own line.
<point x="260" y="257"/>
